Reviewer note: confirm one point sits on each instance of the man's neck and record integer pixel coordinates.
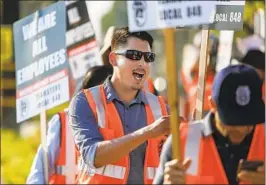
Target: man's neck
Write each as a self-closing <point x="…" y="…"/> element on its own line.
<point x="124" y="94"/>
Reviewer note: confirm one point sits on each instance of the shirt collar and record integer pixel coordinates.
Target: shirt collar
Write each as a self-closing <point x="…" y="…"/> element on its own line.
<point x="208" y="121"/>
<point x="111" y="94"/>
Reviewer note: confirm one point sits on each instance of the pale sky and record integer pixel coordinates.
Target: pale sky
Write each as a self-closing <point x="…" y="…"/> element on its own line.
<point x="96" y="10"/>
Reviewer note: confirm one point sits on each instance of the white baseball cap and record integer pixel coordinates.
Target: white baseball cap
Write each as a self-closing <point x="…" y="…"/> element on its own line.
<point x="107" y="40"/>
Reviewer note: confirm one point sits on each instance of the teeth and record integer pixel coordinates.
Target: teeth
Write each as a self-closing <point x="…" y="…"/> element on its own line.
<point x="138" y="76"/>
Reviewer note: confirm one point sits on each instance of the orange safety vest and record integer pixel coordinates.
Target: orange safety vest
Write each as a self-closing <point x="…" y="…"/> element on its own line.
<point x="206" y="166"/>
<point x="110" y="126"/>
<point x="148" y="86"/>
<point x="66" y="164"/>
<point x="191" y="90"/>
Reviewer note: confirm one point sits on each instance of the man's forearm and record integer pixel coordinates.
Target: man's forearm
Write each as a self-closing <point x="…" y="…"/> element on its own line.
<point x="111" y="151"/>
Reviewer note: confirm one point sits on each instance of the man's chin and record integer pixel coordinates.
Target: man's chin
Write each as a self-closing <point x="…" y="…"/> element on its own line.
<point x="136" y="86"/>
<point x="236" y="140"/>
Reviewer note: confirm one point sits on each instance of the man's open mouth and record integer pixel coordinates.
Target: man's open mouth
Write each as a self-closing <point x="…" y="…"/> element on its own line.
<point x="138" y="75"/>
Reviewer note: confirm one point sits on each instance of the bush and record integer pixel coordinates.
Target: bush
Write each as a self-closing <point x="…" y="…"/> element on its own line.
<point x="17" y="153"/>
<point x="17" y="156"/>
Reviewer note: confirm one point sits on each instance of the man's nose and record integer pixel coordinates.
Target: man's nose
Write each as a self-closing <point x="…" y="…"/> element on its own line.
<point x="142" y="61"/>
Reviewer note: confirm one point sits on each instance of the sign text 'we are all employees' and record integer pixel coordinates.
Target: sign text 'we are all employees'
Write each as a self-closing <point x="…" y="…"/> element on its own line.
<point x="39" y="46"/>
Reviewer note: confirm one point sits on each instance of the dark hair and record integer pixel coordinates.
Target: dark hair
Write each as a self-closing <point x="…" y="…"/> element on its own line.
<point x="96" y="76"/>
<point x="121" y="35"/>
<point x="255" y="58"/>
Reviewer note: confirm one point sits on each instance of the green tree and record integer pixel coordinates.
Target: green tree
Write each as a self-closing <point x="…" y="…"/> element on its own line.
<point x="17" y="155"/>
<point x="250" y="8"/>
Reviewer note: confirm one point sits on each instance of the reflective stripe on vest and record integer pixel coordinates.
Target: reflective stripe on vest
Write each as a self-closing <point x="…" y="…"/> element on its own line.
<point x="96" y="94"/>
<point x="193" y="146"/>
<point x="69" y="170"/>
<point x="155" y="106"/>
<point x="146" y="86"/>
<point x="70" y="154"/>
<point x="151" y="171"/>
<point x="112" y="171"/>
<point x="62" y="170"/>
<point x="119" y="171"/>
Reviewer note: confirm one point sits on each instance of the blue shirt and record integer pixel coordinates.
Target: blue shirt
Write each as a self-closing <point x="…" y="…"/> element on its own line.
<point x="87" y="135"/>
<point x="36" y="175"/>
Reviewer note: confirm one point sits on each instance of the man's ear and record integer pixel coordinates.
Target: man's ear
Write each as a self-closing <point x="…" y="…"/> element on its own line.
<point x="112" y="59"/>
<point x="212" y="104"/>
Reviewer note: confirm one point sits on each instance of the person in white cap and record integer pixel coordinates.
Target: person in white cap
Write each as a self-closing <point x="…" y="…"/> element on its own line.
<point x="106" y="49"/>
<point x="190" y="70"/>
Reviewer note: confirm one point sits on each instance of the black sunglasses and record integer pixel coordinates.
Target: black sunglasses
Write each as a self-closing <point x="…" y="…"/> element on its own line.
<point x="137" y="55"/>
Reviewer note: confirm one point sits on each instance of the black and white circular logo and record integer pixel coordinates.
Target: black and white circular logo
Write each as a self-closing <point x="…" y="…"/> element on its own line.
<point x="24" y="107"/>
<point x="140" y="13"/>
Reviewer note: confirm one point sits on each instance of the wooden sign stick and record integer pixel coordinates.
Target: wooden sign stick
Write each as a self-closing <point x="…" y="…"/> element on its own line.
<point x="172" y="92"/>
<point x="202" y="73"/>
<point x="44" y="146"/>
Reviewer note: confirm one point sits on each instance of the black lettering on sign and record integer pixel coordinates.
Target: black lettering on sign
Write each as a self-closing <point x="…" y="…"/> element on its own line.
<point x="170" y="14"/>
<point x="46" y="102"/>
<point x="56" y="97"/>
<point x="43" y="103"/>
<point x="194" y="11"/>
<point x="89" y="56"/>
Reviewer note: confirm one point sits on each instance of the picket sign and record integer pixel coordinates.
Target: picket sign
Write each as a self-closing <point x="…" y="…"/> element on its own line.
<point x="42" y="80"/>
<point x="167" y="15"/>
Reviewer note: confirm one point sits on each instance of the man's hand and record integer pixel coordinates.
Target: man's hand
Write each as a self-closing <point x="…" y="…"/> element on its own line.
<point x="161" y="126"/>
<point x="175" y="172"/>
<point x="257" y="177"/>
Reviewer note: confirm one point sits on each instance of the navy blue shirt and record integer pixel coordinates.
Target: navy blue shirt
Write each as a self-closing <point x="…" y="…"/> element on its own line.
<point x="87" y="135"/>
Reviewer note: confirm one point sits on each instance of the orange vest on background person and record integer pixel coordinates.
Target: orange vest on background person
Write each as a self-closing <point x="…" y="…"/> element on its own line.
<point x="111" y="127"/>
<point x="206" y="162"/>
<point x="66" y="164"/>
<point x="191" y="90"/>
<point x="148" y="86"/>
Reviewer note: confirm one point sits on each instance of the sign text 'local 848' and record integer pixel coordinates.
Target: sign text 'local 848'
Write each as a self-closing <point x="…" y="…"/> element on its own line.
<point x="150" y="15"/>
